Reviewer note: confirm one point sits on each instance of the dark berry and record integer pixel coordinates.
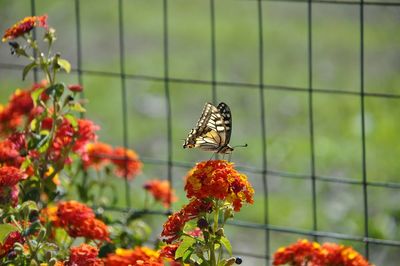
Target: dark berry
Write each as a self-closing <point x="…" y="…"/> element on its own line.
<point x="238" y="260"/>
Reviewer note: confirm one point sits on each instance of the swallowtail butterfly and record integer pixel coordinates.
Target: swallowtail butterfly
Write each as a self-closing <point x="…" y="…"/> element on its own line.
<point x="213" y="130"/>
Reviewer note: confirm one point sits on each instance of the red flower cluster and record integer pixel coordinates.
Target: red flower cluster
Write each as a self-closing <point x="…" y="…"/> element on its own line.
<point x="8" y="245"/>
<point x="219" y="180"/>
<point x="168" y="251"/>
<point x="84" y="255"/>
<point x="127" y="163"/>
<point x="77" y="219"/>
<point x="134" y="257"/>
<point x="304" y="252"/>
<point x="173" y="227"/>
<point x="161" y="191"/>
<point x="67" y="136"/>
<point x="9" y="178"/>
<point x="24" y="26"/>
<point x="20" y="106"/>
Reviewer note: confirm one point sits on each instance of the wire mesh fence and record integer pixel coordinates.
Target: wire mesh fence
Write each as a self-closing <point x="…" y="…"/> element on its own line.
<point x="313" y="188"/>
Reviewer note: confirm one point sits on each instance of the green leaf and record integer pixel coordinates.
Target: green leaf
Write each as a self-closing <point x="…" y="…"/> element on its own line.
<point x="227" y="244"/>
<point x="37" y="141"/>
<point x="186" y="256"/>
<point x="64" y="64"/>
<point x="36" y="94"/>
<point x="26" y="163"/>
<point x="187" y="242"/>
<point x="56" y="90"/>
<point x="72" y="120"/>
<point x="77" y="107"/>
<point x="27" y="69"/>
<point x="5" y="230"/>
<point x="29" y="205"/>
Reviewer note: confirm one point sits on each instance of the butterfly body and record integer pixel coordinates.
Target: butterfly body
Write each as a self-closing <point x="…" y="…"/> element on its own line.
<point x="213" y="130"/>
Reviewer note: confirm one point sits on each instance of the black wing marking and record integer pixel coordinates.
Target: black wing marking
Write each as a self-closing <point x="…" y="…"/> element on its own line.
<point x="225" y="112"/>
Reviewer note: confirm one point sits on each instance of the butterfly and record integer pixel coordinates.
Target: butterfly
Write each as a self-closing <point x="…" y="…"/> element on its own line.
<point x="213" y="130"/>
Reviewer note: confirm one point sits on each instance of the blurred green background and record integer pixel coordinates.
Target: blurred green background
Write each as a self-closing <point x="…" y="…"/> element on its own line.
<point x="337" y="117"/>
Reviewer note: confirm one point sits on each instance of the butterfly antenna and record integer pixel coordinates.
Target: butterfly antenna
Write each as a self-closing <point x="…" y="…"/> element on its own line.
<point x="240" y="146"/>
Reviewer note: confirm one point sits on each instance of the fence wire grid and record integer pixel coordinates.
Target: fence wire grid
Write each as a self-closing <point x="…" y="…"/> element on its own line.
<point x="267" y="174"/>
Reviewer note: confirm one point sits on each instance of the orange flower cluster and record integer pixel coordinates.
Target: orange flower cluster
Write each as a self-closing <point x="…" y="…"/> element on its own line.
<point x="219" y="180"/>
<point x="304" y="252"/>
<point x="127" y="163"/>
<point x="100" y="154"/>
<point x="77" y="219"/>
<point x="173" y="227"/>
<point x="24" y="26"/>
<point x="97" y="155"/>
<point x="134" y="257"/>
<point x="8" y="245"/>
<point x="161" y="191"/>
<point x="84" y="255"/>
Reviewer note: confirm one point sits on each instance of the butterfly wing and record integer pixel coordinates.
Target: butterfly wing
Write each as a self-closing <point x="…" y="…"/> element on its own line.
<point x="213" y="129"/>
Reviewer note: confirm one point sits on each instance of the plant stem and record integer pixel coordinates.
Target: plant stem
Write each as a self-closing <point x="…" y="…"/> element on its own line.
<point x="213" y="260"/>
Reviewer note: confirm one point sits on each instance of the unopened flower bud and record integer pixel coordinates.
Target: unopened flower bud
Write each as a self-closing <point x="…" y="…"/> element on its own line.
<point x="11" y="255"/>
<point x="75" y="87"/>
<point x="230" y="261"/>
<point x="33" y="215"/>
<point x="202" y="223"/>
<point x="220" y="232"/>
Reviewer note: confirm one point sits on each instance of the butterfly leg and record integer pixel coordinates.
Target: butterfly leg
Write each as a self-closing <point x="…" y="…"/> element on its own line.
<point x="229" y="157"/>
<point x="212" y="156"/>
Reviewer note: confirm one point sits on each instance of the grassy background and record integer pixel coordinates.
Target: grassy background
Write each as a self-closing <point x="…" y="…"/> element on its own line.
<point x="337" y="124"/>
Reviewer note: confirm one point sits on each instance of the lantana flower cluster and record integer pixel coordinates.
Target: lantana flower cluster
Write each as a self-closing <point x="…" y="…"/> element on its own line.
<point x="304" y="252"/>
<point x="77" y="219"/>
<point x="25" y="26"/>
<point x="218" y="179"/>
<point x="98" y="155"/>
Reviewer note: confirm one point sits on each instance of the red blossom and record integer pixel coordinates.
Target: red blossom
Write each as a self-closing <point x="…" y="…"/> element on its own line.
<point x="86" y="133"/>
<point x="24" y="26"/>
<point x="9" y="242"/>
<point x="161" y="191"/>
<point x="84" y="255"/>
<point x="126" y="162"/>
<point x="173" y="227"/>
<point x="10" y="176"/>
<point x="219" y="180"/>
<point x="75" y="87"/>
<point x="21" y="102"/>
<point x="168" y="251"/>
